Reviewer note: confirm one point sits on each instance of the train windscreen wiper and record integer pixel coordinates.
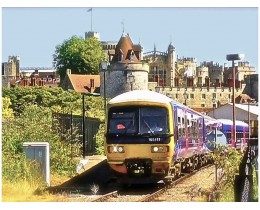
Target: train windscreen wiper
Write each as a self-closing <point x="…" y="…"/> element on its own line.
<point x="148" y="127"/>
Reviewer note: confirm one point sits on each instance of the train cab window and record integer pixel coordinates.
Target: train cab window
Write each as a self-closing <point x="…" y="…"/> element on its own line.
<point x="153" y="120"/>
<point x="122" y="121"/>
<point x="131" y="121"/>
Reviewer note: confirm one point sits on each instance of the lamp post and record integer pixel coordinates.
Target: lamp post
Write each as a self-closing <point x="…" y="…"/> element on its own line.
<point x="131" y="79"/>
<point x="215" y="137"/>
<point x="249" y="102"/>
<point x="104" y="67"/>
<point x="214" y="104"/>
<point x="83" y="126"/>
<point x="185" y="98"/>
<point x="233" y="57"/>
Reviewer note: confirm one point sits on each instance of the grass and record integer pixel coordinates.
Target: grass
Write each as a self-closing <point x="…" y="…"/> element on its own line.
<point x="31" y="192"/>
<point x="227" y="193"/>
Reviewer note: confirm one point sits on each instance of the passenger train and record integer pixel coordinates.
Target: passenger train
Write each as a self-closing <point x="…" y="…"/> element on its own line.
<point x="150" y="137"/>
<point x="242" y="132"/>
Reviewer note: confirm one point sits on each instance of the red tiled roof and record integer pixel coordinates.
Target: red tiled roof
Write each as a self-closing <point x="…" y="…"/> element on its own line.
<point x="81" y="83"/>
<point x="126" y="46"/>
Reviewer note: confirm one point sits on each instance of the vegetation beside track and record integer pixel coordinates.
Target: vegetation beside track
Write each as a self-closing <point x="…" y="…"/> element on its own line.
<point x="27" y="117"/>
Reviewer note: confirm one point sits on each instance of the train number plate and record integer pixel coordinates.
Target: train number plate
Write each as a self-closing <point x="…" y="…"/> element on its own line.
<point x="154" y="139"/>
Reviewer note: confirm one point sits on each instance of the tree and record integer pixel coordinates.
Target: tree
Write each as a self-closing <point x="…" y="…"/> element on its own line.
<point x="7" y="112"/>
<point x="82" y="56"/>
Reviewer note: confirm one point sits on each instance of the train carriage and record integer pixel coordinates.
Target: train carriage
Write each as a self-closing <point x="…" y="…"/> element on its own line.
<point x="242" y="132"/>
<point x="149" y="136"/>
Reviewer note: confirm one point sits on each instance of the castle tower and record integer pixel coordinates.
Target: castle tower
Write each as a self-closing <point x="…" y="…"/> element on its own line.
<point x="10" y="71"/>
<point x="170" y="72"/>
<point x="92" y="34"/>
<point x="125" y="64"/>
<point x="202" y="74"/>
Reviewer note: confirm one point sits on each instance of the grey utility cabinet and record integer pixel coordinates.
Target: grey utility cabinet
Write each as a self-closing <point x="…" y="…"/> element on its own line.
<point x="40" y="152"/>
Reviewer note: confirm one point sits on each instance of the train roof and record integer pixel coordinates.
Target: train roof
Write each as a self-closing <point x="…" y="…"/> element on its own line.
<point x="140" y="95"/>
<point x="212" y="121"/>
<point x="147" y="96"/>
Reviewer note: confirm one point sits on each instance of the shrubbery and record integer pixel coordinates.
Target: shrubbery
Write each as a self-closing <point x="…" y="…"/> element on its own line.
<point x="29" y="119"/>
<point x="33" y="125"/>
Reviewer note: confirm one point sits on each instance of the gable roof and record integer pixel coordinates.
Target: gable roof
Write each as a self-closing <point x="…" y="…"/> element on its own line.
<point x="81" y="83"/>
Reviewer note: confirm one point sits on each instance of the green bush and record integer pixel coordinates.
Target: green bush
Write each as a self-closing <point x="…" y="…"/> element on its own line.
<point x="34" y="125"/>
<point x="31" y="109"/>
<point x="100" y="140"/>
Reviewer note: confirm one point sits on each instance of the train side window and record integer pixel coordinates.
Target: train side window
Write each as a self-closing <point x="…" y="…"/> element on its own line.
<point x="180" y="131"/>
<point x="190" y="134"/>
<point x="179" y="119"/>
<point x="228" y="135"/>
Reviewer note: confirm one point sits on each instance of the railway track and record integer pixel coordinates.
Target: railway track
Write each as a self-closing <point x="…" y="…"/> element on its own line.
<point x="154" y="196"/>
<point x="106" y="197"/>
<point x="123" y="195"/>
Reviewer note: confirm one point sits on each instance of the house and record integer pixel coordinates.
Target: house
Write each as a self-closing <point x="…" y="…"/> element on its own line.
<point x="81" y="83"/>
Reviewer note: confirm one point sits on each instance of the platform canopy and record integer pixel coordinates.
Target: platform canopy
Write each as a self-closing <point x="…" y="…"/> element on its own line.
<point x="226" y="112"/>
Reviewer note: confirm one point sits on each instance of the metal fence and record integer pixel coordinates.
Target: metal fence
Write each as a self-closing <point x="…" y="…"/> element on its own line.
<point x="244" y="181"/>
<point x="71" y="126"/>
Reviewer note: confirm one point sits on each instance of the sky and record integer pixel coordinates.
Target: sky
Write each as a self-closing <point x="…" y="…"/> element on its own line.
<point x="204" y="33"/>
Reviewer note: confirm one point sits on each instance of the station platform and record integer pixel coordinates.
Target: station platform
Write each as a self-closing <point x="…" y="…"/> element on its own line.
<point x="89" y="162"/>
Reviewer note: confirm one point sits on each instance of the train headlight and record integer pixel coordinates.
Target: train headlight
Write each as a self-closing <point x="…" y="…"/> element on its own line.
<point x="158" y="149"/>
<point x="116" y="149"/>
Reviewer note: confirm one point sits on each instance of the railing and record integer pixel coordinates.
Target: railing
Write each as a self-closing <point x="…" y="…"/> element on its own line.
<point x="73" y="124"/>
<point x="244" y="182"/>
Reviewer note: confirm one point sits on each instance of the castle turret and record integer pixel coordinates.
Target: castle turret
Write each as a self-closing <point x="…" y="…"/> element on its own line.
<point x="126" y="71"/>
<point x="170" y="73"/>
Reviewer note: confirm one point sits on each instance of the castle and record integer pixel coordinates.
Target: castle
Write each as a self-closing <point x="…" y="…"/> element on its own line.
<point x="201" y="87"/>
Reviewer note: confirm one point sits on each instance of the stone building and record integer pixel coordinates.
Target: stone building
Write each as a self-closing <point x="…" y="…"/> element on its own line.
<point x="185" y="72"/>
<point x="199" y="98"/>
<point x="161" y="66"/>
<point x="242" y="69"/>
<point x="251" y="88"/>
<point x="215" y="73"/>
<point x="10" y="71"/>
<point x="125" y="62"/>
<point x="202" y="76"/>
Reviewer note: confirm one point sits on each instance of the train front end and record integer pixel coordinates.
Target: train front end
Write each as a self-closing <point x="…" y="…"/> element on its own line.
<point x="139" y="137"/>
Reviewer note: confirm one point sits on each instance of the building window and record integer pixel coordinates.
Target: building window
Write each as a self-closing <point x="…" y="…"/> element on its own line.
<point x="132" y="56"/>
<point x="214" y="95"/>
<point x="120" y="56"/>
<point x="192" y="95"/>
<point x="203" y="96"/>
<point x="202" y="105"/>
<point x="176" y="95"/>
